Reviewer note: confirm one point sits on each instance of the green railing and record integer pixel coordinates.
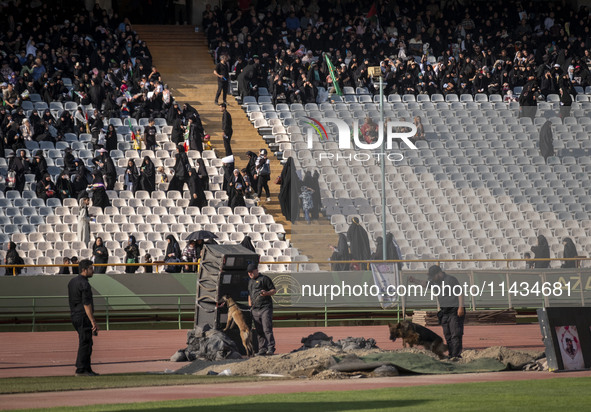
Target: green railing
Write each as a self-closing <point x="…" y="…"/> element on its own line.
<point x="181" y="308"/>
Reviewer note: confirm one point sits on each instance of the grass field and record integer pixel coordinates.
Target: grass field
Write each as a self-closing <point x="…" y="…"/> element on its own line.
<point x="70" y="383"/>
<point x="568" y="394"/>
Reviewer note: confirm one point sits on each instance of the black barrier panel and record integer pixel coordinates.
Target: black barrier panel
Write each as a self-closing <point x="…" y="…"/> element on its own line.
<point x="222" y="272"/>
<point x="567" y="337"/>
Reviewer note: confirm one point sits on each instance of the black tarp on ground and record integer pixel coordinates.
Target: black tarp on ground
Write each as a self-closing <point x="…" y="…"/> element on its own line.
<point x="416" y="363"/>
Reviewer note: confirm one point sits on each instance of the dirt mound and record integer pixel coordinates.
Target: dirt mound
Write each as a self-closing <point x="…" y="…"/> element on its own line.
<point x="505" y="355"/>
<point x="305" y="363"/>
<point x="315" y="362"/>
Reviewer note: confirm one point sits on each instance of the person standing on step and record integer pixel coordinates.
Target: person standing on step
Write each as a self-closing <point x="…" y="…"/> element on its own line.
<point x="263" y="174"/>
<point x="222" y="71"/>
<point x="150" y="135"/>
<point x="226" y="128"/>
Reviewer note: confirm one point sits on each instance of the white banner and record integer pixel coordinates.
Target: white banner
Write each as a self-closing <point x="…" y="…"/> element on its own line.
<point x="387" y="279"/>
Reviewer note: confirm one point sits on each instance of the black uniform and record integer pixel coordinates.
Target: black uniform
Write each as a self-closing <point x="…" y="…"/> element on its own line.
<point x="262" y="311"/>
<point x="227" y="130"/>
<point x="223" y="82"/>
<point x="80" y="294"/>
<point x="452" y="324"/>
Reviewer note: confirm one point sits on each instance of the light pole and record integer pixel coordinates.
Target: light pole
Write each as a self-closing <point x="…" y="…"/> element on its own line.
<point x="376" y="71"/>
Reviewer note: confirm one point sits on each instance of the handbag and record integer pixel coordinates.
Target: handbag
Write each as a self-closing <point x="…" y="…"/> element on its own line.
<point x="11" y="179"/>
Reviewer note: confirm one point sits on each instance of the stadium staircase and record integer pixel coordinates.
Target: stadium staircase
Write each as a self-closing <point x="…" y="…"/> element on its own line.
<point x="183" y="59"/>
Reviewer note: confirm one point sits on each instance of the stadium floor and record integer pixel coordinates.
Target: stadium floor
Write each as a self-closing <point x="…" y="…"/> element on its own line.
<point x="53" y="353"/>
<point x="37" y="354"/>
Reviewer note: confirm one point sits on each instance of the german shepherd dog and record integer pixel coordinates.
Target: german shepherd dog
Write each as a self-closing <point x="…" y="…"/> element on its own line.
<point x="413" y="334"/>
<point x="235" y="317"/>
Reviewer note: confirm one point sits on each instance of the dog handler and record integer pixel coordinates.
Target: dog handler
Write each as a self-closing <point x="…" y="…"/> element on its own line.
<point x="81" y="312"/>
<point x="260" y="290"/>
<point x="452" y="314"/>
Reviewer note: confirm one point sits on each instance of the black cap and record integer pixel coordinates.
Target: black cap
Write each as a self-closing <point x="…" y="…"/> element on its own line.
<point x="223" y="105"/>
<point x="434" y="270"/>
<point x="252" y="267"/>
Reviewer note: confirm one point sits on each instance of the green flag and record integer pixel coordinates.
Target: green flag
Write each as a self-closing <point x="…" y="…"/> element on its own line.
<point x="331" y="69"/>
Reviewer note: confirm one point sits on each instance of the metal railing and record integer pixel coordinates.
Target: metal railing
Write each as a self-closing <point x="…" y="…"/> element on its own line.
<point x="176" y="312"/>
<point x="296" y="266"/>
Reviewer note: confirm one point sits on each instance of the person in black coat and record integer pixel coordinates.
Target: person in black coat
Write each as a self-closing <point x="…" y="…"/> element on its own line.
<point x="111" y="138"/>
<point x="340" y="253"/>
<point x="12" y="258"/>
<point x="251" y="167"/>
<point x="237" y="196"/>
<point x="173" y="254"/>
<point x="228" y="167"/>
<point x="196" y="190"/>
<point x="150" y="135"/>
<point x="202" y="173"/>
<point x="546" y="140"/>
<point x="195" y="136"/>
<point x="226" y="129"/>
<point x="100" y="254"/>
<point x="96" y="125"/>
<point x="105" y="164"/>
<point x="178" y="131"/>
<point x="65" y="270"/>
<point x="147" y="179"/>
<point x="82" y="178"/>
<point x="311" y="181"/>
<point x="132" y="255"/>
<point x="39" y="165"/>
<point x="64" y="186"/>
<point x="570" y="251"/>
<point x="132" y="177"/>
<point x="541" y="251"/>
<point x="566" y="102"/>
<point x="45" y="188"/>
<point x="20" y="167"/>
<point x="69" y="161"/>
<point x="180" y="170"/>
<point x="97" y="94"/>
<point x="99" y="195"/>
<point x="359" y="241"/>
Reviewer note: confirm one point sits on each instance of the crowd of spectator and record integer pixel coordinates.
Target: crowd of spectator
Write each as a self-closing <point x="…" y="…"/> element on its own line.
<point x="422" y="47"/>
<point x="97" y="67"/>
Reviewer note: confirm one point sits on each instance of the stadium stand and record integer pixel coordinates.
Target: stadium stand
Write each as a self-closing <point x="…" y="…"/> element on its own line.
<point x="478" y="187"/>
<point x="45" y="230"/>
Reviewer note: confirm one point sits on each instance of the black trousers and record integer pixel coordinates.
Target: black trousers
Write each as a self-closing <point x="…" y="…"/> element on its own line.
<point x="222" y="87"/>
<point x="263" y="324"/>
<point x="453" y="330"/>
<point x="227" y="145"/>
<point x="263" y="183"/>
<point x="84" y="328"/>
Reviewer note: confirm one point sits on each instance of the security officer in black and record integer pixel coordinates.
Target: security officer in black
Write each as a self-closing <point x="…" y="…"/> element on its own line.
<point x="260" y="290"/>
<point x="451" y="314"/>
<point x="81" y="313"/>
<point x="222" y="72"/>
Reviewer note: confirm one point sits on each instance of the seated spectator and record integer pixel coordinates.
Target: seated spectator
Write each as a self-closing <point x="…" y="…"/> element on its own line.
<point x="12" y="258"/>
<point x="100" y="254"/>
<point x="65" y="270"/>
<point x="132" y="254"/>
